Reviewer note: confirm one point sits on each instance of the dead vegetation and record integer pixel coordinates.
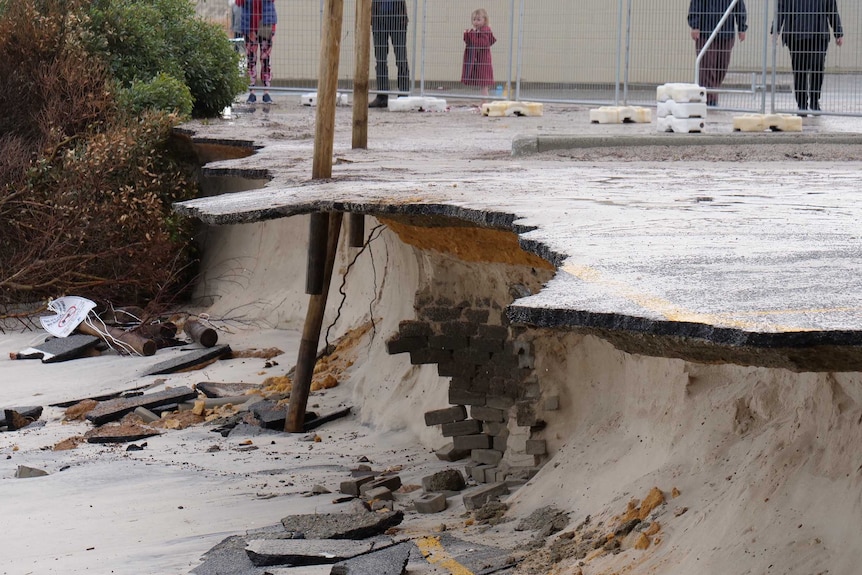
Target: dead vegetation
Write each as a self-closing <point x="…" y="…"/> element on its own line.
<point x="86" y="191"/>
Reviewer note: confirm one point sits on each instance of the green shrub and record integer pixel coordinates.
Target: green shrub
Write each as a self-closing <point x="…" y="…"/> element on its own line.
<point x="164" y="92"/>
<point x="143" y="38"/>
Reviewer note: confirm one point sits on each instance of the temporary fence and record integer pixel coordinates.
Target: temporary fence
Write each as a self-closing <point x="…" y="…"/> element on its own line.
<point x="594" y="52"/>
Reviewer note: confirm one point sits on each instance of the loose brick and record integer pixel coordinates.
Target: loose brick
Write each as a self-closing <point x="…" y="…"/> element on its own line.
<point x="477" y="315"/>
<point x="483" y="413"/>
<point x="426" y="356"/>
<point x="352" y="486"/>
<point x="481" y="495"/>
<point x="447" y="415"/>
<point x="475" y="383"/>
<point x="401" y="344"/>
<point x="503" y="402"/>
<point x="464" y="328"/>
<point x="470" y="355"/>
<point x="499" y="442"/>
<point x="536" y="447"/>
<point x="382" y="493"/>
<point x="487" y="456"/>
<point x="478" y="441"/>
<point x="430" y="503"/>
<point x="456" y="428"/>
<point x="390" y="482"/>
<point x="477" y="472"/>
<point x="465" y="397"/>
<point x="493" y="332"/>
<point x="414" y="328"/>
<point x="494" y="429"/>
<point x="445" y="341"/>
<point x="441" y="313"/>
<point x="449" y="453"/>
<point x="456" y="369"/>
<point x="485" y="344"/>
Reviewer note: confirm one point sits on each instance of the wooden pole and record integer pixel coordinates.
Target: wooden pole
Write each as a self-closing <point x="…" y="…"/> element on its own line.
<point x="307" y="356"/>
<point x="142" y="346"/>
<point x="327" y="89"/>
<point x="316" y="261"/>
<point x="360" y="74"/>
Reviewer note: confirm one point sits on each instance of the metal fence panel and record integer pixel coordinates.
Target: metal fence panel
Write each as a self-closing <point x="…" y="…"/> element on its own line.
<point x="589" y="52"/>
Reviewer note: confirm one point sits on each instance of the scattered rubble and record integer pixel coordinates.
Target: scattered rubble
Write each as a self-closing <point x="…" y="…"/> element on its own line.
<point x="16" y="418"/>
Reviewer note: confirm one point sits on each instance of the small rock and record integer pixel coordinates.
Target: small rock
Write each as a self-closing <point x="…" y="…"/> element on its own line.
<point x="25" y="472"/>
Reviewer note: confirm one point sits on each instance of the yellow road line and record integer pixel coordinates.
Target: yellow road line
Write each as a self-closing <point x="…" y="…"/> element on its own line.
<point x="434" y="553"/>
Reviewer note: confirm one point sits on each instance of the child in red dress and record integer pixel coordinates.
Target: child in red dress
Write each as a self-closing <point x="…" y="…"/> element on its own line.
<point x="477" y="69"/>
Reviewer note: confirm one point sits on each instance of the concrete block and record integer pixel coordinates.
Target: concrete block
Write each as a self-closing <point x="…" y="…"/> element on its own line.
<point x="481" y="495"/>
<point x="379" y="493"/>
<point x="466" y="427"/>
<point x="681" y="109"/>
<point x="427" y="356"/>
<point x="477" y="472"/>
<point x="417" y="104"/>
<point x="509" y="108"/>
<point x="484" y="413"/>
<point x="478" y="441"/>
<point x="680" y="92"/>
<point x="391" y="482"/>
<point x="465" y="397"/>
<point x="536" y="447"/>
<point x="500" y="442"/>
<point x="352" y="486"/>
<point x="402" y="344"/>
<point x="763" y="122"/>
<point x="414" y="328"/>
<point x="448" y="341"/>
<point x="310" y="99"/>
<point x="459" y="369"/>
<point x="620" y="115"/>
<point x="681" y="125"/>
<point x="446" y="415"/>
<point x="449" y="453"/>
<point x="503" y="402"/>
<point x="487" y="456"/>
<point x="430" y="503"/>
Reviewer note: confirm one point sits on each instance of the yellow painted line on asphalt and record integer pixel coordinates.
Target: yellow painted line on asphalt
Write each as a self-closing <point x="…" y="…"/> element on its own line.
<point x="434" y="553"/>
<point x="674" y="312"/>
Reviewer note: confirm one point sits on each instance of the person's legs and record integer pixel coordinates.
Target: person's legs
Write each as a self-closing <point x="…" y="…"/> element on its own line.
<point x="381" y="52"/>
<point x="800" y="74"/>
<point x="818" y="64"/>
<point x="708" y="72"/>
<point x="399" y="46"/>
<point x="723" y="48"/>
<point x="251" y="64"/>
<point x="265" y="67"/>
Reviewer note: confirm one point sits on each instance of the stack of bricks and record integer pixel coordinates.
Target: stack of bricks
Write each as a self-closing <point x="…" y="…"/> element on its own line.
<point x="492" y="373"/>
<point x="681" y="108"/>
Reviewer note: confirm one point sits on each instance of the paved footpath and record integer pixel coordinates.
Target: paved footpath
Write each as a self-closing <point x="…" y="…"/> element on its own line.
<point x="746" y="254"/>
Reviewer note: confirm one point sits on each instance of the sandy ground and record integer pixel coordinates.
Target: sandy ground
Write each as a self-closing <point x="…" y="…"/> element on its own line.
<point x="756" y="467"/>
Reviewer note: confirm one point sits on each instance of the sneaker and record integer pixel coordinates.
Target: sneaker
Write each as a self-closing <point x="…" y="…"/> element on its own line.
<point x="251" y="99"/>
<point x="379" y="102"/>
<point x="267" y="99"/>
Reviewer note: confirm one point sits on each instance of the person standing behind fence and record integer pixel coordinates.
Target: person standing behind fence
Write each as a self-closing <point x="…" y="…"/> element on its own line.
<point x="389" y="20"/>
<point x="258" y="28"/>
<point x="477" y="69"/>
<point x="703" y="19"/>
<point x="804" y="28"/>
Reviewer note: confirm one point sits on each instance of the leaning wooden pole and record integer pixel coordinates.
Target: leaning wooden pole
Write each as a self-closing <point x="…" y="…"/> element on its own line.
<point x="311" y="337"/>
<point x="360" y="74"/>
<point x="324" y="137"/>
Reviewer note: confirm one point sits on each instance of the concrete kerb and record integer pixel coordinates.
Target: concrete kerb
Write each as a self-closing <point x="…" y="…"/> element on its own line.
<point x="525" y="145"/>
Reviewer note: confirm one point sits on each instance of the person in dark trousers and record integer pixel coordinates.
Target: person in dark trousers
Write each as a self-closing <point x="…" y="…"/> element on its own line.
<point x="703" y="19"/>
<point x="389" y="21"/>
<point x="804" y="28"/>
<point x="257" y="23"/>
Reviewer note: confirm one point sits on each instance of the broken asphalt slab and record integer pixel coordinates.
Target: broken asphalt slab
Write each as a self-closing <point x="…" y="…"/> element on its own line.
<point x="114" y="409"/>
<point x="389" y="561"/>
<point x="59" y="348"/>
<point x="341" y="525"/>
<point x="265" y="552"/>
<point x="189" y="360"/>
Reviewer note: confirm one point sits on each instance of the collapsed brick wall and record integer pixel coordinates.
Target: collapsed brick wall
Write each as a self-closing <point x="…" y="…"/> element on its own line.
<point x="491" y="369"/>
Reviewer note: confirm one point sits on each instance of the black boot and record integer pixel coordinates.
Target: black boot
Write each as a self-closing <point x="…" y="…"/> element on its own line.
<point x="381" y="101"/>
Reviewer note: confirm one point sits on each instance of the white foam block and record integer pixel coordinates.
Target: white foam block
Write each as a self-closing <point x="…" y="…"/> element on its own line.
<point x="681" y="109"/>
<point x="620" y="115"/>
<point x="509" y="108"/>
<point x="680" y="125"/>
<point x="417" y="104"/>
<point x="763" y="122"/>
<point x="680" y="93"/>
<point x="310" y="99"/>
